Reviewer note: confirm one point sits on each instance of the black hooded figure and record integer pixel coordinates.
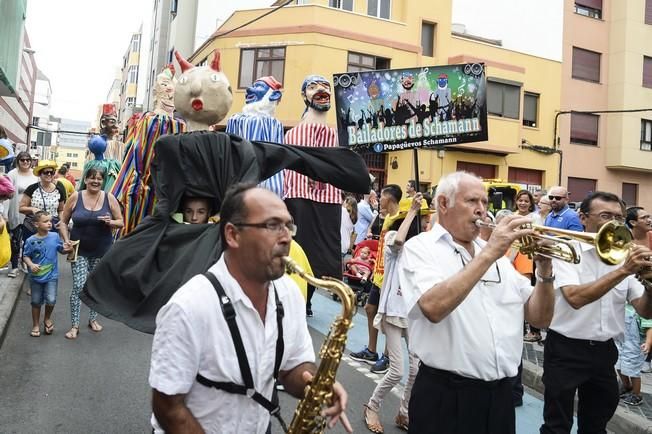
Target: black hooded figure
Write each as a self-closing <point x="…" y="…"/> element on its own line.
<point x="142" y="271"/>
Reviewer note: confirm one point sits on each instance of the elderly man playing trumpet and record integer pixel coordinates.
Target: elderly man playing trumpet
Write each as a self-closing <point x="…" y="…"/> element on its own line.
<point x="466" y="307"/>
<point x="579" y="354"/>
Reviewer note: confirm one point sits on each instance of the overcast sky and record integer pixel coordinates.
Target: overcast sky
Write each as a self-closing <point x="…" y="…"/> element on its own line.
<point x="79" y="44"/>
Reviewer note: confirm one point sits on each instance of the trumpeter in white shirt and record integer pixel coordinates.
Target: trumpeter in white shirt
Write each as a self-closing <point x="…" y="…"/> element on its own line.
<point x="193" y="339"/>
<point x="579" y="353"/>
<point x="466" y="307"/>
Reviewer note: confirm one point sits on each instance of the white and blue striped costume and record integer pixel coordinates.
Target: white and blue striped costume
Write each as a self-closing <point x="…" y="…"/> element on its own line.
<point x="259" y="127"/>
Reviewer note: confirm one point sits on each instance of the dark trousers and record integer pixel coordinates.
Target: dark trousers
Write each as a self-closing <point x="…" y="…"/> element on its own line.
<point x="517" y="386"/>
<point x="587" y="367"/>
<point x="446" y="403"/>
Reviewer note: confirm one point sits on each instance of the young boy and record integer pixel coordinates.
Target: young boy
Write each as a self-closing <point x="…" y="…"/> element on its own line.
<point x="40" y="256"/>
<point x="631" y="355"/>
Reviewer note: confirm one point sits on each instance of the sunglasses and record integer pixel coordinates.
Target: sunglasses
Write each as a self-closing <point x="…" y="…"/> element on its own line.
<point x="47" y="172"/>
<point x="556" y="197"/>
<point x="25" y="160"/>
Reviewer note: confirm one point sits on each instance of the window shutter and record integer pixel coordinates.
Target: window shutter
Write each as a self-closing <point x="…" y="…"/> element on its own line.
<point x="494" y="98"/>
<point x="586" y="64"/>
<point x="647" y="71"/>
<point x="512" y="101"/>
<point x="584" y="127"/>
<point x="530" y="102"/>
<point x="648" y="11"/>
<point x="595" y="4"/>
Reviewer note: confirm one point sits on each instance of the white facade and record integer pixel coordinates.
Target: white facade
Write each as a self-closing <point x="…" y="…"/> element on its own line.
<point x="41" y="137"/>
<point x="174" y="27"/>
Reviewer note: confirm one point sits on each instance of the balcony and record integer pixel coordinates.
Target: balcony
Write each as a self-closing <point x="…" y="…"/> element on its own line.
<point x="12" y="22"/>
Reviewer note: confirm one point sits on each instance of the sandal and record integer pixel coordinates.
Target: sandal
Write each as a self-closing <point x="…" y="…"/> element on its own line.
<point x="35" y="333"/>
<point x="95" y="326"/>
<point x="374" y="427"/>
<point x="72" y="333"/>
<point x="49" y="328"/>
<point x="401" y="422"/>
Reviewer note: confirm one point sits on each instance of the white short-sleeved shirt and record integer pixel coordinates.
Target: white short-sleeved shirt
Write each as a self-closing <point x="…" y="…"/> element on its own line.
<point x="193" y="337"/>
<point x="602" y="319"/>
<point x="483" y="337"/>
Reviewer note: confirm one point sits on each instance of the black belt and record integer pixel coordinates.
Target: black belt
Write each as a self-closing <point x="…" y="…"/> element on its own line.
<point x="584" y="342"/>
<point x="458" y="381"/>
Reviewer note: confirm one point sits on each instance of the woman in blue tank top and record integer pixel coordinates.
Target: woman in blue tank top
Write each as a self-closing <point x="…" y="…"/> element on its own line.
<point x="95" y="214"/>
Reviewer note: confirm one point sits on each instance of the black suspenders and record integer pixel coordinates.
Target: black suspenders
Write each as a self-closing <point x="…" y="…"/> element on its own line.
<point x="248" y="387"/>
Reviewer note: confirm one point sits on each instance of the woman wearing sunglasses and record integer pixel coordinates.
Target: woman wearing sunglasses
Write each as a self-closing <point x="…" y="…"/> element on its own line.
<point x="44" y="195"/>
<point x="22" y="177"/>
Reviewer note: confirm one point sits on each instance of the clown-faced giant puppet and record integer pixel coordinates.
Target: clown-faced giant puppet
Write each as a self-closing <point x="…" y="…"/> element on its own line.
<point x="257" y="122"/>
<point x="315" y="206"/>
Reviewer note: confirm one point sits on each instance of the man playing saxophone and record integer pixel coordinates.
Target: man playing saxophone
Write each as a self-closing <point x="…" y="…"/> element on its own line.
<point x="466" y="304"/>
<point x="579" y="353"/>
<point x="211" y="373"/>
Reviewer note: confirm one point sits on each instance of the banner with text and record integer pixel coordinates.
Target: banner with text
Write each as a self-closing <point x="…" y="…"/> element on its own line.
<point x="396" y="109"/>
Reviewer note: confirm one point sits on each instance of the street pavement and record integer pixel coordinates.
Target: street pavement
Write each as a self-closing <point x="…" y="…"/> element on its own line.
<point x="98" y="383"/>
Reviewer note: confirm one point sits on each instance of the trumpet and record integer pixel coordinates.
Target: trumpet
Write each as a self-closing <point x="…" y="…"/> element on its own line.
<point x="611" y="242"/>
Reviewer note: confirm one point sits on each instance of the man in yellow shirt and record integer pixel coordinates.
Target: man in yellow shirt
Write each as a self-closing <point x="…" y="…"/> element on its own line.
<point x="61" y="178"/>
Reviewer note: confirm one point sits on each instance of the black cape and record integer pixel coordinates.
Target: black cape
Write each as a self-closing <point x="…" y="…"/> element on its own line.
<point x="142" y="271"/>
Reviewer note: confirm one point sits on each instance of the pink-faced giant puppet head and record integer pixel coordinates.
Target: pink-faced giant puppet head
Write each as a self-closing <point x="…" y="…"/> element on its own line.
<point x="202" y="95"/>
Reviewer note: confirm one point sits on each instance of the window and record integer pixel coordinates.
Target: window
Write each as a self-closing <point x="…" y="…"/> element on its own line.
<point x="379" y="8"/>
<point x="646" y="135"/>
<point x="376" y="162"/>
<point x="647" y="71"/>
<point x="133" y="73"/>
<point x="586" y="65"/>
<point x="74" y="164"/>
<point x="35" y="120"/>
<point x="503" y="99"/>
<point x="584" y="128"/>
<point x="530" y="109"/>
<point x="135" y="43"/>
<point x="363" y="62"/>
<point x="579" y="188"/>
<point x="589" y="8"/>
<point x="259" y="62"/>
<point x="428" y="39"/>
<point x="630" y="194"/>
<point x="68" y="154"/>
<point x="204" y="62"/>
<point x="648" y="11"/>
<point x="485" y="171"/>
<point x="170" y="55"/>
<point x="347" y="5"/>
<point x="131" y="101"/>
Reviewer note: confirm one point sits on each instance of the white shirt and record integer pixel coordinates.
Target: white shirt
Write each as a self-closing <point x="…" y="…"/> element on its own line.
<point x="481" y="338"/>
<point x="604" y="318"/>
<point x="346" y="229"/>
<point x="392" y="302"/>
<point x="193" y="337"/>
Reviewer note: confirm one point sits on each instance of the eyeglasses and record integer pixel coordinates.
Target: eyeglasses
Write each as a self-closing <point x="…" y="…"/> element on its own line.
<point x="556" y="197"/>
<point x="484" y="281"/>
<point x="47" y="172"/>
<point x="272" y="226"/>
<point x="609" y="216"/>
<point x="25" y="160"/>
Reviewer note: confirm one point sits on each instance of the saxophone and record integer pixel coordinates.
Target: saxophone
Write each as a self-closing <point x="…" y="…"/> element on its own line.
<point x="307" y="417"/>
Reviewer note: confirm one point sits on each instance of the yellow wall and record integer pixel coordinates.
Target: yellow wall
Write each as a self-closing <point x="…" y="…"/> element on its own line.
<point x="317" y="39"/>
<point x="77" y="158"/>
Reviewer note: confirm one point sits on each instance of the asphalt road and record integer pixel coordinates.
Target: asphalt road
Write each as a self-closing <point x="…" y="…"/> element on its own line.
<point x="98" y="383"/>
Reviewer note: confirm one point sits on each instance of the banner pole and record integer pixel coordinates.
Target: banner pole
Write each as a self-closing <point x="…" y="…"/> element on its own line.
<point x="415" y="153"/>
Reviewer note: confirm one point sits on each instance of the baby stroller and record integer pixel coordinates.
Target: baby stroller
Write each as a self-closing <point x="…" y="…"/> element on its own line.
<point x="361" y="288"/>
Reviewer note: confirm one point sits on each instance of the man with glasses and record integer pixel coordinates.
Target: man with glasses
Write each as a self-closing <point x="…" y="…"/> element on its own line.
<point x="561" y="216"/>
<point x="466" y="305"/>
<point x="210" y="373"/>
<point x="579" y="353"/>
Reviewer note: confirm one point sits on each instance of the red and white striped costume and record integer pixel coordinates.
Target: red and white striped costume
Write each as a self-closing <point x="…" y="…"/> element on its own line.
<point x="300" y="186"/>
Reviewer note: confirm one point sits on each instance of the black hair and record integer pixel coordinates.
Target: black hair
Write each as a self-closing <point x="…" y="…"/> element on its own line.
<point x="233" y="207"/>
<point x="394" y="191"/>
<point x="3" y="133"/>
<point x="632" y="215"/>
<point x="21" y="155"/>
<point x="585" y="207"/>
<point x="94" y="171"/>
<point x="62" y="170"/>
<point x="413" y="183"/>
<point x="428" y="198"/>
<point x="529" y="195"/>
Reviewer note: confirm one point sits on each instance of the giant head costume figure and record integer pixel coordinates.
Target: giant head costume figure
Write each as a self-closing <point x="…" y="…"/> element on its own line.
<point x="263" y="96"/>
<point x="109" y="121"/>
<point x="203" y="95"/>
<point x="164" y="92"/>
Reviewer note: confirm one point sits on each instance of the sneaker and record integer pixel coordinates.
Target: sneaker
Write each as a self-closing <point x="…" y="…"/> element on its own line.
<point x="632" y="399"/>
<point x="365" y="356"/>
<point x="381" y="366"/>
<point x="309" y="312"/>
<point x="13" y="272"/>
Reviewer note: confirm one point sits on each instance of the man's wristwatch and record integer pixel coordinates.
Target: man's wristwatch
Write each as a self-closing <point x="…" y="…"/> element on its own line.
<point x="542" y="279"/>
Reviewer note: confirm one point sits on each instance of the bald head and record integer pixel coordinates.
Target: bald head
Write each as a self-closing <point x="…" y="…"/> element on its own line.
<point x="558" y="196"/>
